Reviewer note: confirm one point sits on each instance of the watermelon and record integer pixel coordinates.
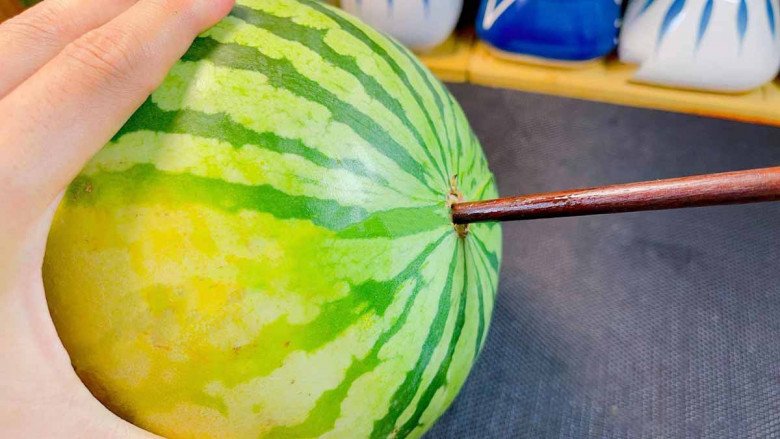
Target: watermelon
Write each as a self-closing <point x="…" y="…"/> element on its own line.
<point x="265" y="249"/>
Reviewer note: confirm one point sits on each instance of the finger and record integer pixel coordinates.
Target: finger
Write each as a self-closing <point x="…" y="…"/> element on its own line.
<point x="73" y="105"/>
<point x="35" y="36"/>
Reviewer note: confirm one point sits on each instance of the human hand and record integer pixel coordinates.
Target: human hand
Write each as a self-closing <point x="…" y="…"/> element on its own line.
<point x="71" y="73"/>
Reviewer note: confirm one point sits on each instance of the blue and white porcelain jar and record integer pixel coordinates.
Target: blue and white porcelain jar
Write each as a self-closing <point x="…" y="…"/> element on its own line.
<point x="418" y="24"/>
<point x="550" y="31"/>
<point x="721" y="45"/>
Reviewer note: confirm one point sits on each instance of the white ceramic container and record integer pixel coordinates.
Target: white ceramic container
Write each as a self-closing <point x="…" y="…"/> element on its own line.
<point x="419" y="24"/>
<point x="720" y="45"/>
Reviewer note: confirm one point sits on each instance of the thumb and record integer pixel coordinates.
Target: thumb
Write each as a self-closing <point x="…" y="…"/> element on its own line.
<point x="52" y="124"/>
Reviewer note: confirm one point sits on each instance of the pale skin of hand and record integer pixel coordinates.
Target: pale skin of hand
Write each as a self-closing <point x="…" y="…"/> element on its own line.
<point x="71" y="73"/>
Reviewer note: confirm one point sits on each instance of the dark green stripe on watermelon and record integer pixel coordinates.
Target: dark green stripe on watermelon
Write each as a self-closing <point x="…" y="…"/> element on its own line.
<point x="358" y="33"/>
<point x="459" y="139"/>
<point x="480" y="297"/>
<point x="405" y="393"/>
<point x="220" y="126"/>
<point x="323" y="416"/>
<point x="283" y="75"/>
<point x="491" y="256"/>
<point x="437" y="98"/>
<point x="440" y="379"/>
<point x="368" y="298"/>
<point x="145" y="179"/>
<point x="314" y="39"/>
<point x="398" y="222"/>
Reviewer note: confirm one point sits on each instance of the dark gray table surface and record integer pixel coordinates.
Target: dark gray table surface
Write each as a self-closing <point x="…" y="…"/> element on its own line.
<point x="640" y="325"/>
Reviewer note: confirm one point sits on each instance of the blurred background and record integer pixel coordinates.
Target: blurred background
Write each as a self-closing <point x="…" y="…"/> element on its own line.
<point x="714" y="57"/>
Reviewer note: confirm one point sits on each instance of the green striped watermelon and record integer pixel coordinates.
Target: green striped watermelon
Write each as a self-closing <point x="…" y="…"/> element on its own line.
<point x="265" y="248"/>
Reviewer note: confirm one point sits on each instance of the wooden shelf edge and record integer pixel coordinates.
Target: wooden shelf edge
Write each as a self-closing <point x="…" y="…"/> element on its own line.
<point x="450" y="60"/>
<point x="750" y="115"/>
<point x="606" y="81"/>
